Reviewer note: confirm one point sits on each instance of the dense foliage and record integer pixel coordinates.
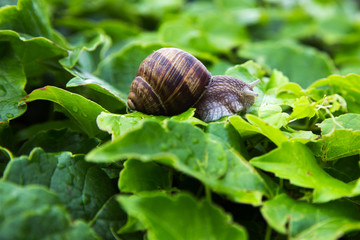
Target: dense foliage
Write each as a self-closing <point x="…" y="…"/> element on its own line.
<point x="75" y="164"/>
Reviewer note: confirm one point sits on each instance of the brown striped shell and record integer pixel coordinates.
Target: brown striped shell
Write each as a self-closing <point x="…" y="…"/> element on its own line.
<point x="170" y="80"/>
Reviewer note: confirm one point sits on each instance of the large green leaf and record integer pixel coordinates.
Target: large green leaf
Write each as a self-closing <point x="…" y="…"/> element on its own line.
<point x="12" y="83"/>
<point x="349" y="121"/>
<point x="301" y="220"/>
<point x="187" y="149"/>
<point x="59" y="140"/>
<point x="36" y="213"/>
<point x="29" y="17"/>
<point x="119" y="124"/>
<point x="340" y="137"/>
<point x="37" y="54"/>
<point x="257" y="126"/>
<point x="292" y="59"/>
<point x="295" y="162"/>
<point x="82" y="186"/>
<point x="78" y="108"/>
<point x="180" y="145"/>
<point x="180" y="217"/>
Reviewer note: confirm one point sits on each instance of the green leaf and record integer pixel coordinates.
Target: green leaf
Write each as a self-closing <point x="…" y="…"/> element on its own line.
<point x="29" y="17"/>
<point x="12" y="83"/>
<point x="303" y="108"/>
<point x="291" y="59"/>
<point x="82" y="186"/>
<point x="37" y="54"/>
<point x="119" y="124"/>
<point x="181" y="217"/>
<point x="301" y="136"/>
<point x="289" y="93"/>
<point x="340" y="137"/>
<point x="83" y="111"/>
<point x="242" y="183"/>
<point x="349" y="121"/>
<point x="143" y="176"/>
<point x="295" y="162"/>
<point x="117" y="29"/>
<point x="181" y="145"/>
<point x="5" y="158"/>
<point x="337" y="144"/>
<point x="89" y="48"/>
<point x="36" y="213"/>
<point x="227" y="133"/>
<point x="59" y="140"/>
<point x="257" y="126"/>
<point x="189" y="150"/>
<point x="157" y="8"/>
<point x="241" y="72"/>
<point x="347" y="86"/>
<point x="109" y="219"/>
<point x="273" y="115"/>
<point x="104" y="93"/>
<point x="276" y="80"/>
<point x="300" y="220"/>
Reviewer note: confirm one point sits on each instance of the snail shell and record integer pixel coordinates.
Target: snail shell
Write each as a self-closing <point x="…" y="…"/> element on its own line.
<point x="170" y="80"/>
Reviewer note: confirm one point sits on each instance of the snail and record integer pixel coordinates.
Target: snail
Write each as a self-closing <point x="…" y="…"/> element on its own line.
<point x="169" y="81"/>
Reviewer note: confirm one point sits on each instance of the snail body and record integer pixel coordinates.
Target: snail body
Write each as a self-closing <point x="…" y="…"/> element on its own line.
<point x="170" y="81"/>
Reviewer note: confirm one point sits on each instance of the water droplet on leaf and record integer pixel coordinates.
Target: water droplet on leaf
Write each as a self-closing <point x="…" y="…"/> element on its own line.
<point x="9" y="115"/>
<point x="75" y="109"/>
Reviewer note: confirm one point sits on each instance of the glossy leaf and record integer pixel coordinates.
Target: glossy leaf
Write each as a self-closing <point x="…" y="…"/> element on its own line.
<point x="187" y="149"/>
<point x="29" y="17"/>
<point x="257" y="126"/>
<point x="12" y="83"/>
<point x="78" y="108"/>
<point x="83" y="187"/>
<point x="36" y="213"/>
<point x="301" y="220"/>
<point x="59" y="140"/>
<point x="37" y="54"/>
<point x="119" y="124"/>
<point x="340" y="137"/>
<point x="189" y="219"/>
<point x="296" y="162"/>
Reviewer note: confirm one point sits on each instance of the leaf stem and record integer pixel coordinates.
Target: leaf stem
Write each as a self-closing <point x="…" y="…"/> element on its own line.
<point x="208" y="193"/>
<point x="268" y="232"/>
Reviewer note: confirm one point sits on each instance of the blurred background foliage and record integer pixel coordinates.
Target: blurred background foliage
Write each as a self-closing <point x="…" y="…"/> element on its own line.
<point x="225" y="32"/>
<point x="305" y="39"/>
